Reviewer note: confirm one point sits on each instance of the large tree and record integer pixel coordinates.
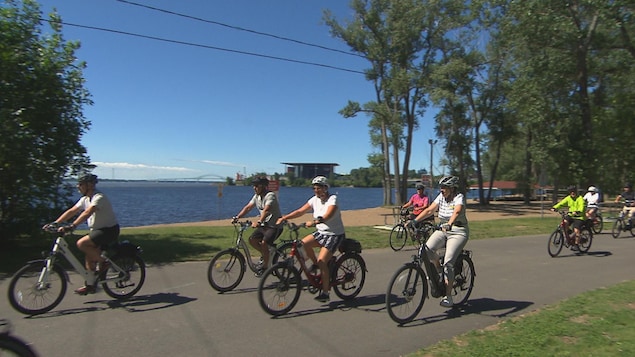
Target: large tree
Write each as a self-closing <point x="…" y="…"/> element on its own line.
<point x="41" y="122"/>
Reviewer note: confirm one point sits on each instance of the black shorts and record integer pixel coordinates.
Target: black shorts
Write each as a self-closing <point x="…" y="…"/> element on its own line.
<point x="266" y="233"/>
<point x="104" y="236"/>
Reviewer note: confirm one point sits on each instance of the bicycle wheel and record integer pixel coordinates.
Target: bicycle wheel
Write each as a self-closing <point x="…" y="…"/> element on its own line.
<point x="279" y="289"/>
<point x="555" y="243"/>
<point x="463" y="279"/>
<point x="586" y="238"/>
<point x="127" y="282"/>
<point x="598" y="224"/>
<point x="29" y="297"/>
<point x="226" y="270"/>
<point x="13" y="346"/>
<point x="349" y="277"/>
<point x="398" y="237"/>
<point x="407" y="291"/>
<point x="617" y="228"/>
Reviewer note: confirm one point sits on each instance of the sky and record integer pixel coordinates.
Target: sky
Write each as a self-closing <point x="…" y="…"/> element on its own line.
<point x="198" y="105"/>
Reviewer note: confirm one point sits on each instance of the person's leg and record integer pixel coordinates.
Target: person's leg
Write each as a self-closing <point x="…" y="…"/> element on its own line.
<point x="457" y="240"/>
<point x="92" y="253"/>
<point x="323" y="261"/>
<point x="434" y="243"/>
<point x="270" y="235"/>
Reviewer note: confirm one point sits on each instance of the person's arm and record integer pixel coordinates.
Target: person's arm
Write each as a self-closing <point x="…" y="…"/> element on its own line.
<point x="244" y="211"/>
<point x="426" y="212"/>
<point x="300" y="211"/>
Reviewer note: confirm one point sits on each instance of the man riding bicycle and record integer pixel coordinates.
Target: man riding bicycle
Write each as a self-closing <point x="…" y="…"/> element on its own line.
<point x="629" y="203"/>
<point x="94" y="208"/>
<point x="576" y="217"/>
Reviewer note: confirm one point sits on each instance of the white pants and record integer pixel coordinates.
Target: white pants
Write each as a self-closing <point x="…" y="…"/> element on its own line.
<point x="454" y="242"/>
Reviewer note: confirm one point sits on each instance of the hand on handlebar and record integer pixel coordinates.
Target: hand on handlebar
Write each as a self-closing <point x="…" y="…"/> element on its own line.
<point x="234" y="219"/>
<point x="446" y="227"/>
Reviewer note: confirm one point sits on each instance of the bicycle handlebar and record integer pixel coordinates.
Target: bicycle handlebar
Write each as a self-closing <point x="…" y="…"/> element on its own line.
<point x="54" y="227"/>
<point x="295" y="227"/>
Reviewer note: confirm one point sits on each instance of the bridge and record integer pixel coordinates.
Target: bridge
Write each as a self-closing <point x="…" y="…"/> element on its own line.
<point x="205" y="178"/>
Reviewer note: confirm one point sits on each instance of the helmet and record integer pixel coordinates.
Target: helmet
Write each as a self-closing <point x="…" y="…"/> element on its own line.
<point x="592" y="189"/>
<point x="260" y="181"/>
<point x="572" y="189"/>
<point x="320" y="180"/>
<point x="450" y="181"/>
<point x="88" y="178"/>
<point x="628" y="184"/>
<point x="420" y="187"/>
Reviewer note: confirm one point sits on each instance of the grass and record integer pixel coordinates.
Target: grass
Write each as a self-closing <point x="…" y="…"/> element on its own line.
<point x="596" y="323"/>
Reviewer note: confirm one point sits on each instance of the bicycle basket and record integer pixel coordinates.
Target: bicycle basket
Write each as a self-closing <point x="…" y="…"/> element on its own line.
<point x="350" y="246"/>
<point x="126" y="249"/>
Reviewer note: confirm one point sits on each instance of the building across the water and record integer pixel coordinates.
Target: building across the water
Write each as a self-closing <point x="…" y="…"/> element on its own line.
<point x="309" y="170"/>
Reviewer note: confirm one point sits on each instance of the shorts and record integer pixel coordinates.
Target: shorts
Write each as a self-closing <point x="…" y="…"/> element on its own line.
<point x="104" y="236"/>
<point x="575" y="223"/>
<point x="329" y="241"/>
<point x="266" y="233"/>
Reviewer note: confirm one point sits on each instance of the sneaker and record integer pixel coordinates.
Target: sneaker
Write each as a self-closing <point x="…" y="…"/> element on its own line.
<point x="85" y="290"/>
<point x="323" y="297"/>
<point x="314" y="269"/>
<point x="259" y="272"/>
<point x="103" y="270"/>
<point x="575" y="248"/>
<point x="446" y="301"/>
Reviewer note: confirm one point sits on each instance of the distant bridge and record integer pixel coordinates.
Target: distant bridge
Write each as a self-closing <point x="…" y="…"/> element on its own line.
<point x="206" y="178"/>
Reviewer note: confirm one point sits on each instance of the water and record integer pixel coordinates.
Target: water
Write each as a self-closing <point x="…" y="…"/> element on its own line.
<point x="146" y="203"/>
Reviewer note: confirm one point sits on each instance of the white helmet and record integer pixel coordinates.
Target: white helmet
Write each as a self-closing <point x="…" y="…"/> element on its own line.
<point x="592" y="189"/>
<point x="320" y="180"/>
<point x="450" y="181"/>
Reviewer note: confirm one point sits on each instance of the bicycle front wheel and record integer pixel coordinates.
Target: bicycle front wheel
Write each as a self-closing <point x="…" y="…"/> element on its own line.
<point x="350" y="275"/>
<point x="586" y="238"/>
<point x="407" y="291"/>
<point x="226" y="270"/>
<point x="463" y="279"/>
<point x="617" y="228"/>
<point x="398" y="237"/>
<point x="126" y="283"/>
<point x="555" y="243"/>
<point x="279" y="289"/>
<point x="30" y="296"/>
<point x="13" y="346"/>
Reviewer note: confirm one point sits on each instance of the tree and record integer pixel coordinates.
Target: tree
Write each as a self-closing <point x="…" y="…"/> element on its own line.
<point x="41" y="122"/>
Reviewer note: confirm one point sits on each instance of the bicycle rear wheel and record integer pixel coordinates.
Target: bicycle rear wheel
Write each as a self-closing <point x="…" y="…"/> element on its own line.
<point x="598" y="224"/>
<point x="617" y="228"/>
<point x="555" y="243"/>
<point x="279" y="289"/>
<point x="398" y="237"/>
<point x="29" y="297"/>
<point x="226" y="270"/>
<point x="463" y="279"/>
<point x="586" y="238"/>
<point x="127" y="282"/>
<point x="407" y="291"/>
<point x="350" y="275"/>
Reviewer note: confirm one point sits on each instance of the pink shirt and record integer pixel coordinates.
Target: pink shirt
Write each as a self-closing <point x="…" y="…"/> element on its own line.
<point x="418" y="203"/>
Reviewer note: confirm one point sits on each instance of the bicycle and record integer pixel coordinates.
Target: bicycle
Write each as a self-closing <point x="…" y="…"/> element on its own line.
<point x="622" y="224"/>
<point x="11" y="345"/>
<point x="596" y="224"/>
<point x="40" y="285"/>
<point x="564" y="236"/>
<point x="399" y="233"/>
<point x="280" y="286"/>
<point x="408" y="287"/>
<point x="227" y="268"/>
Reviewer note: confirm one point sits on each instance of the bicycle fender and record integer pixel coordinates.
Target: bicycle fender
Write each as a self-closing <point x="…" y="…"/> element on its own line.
<point x="55" y="265"/>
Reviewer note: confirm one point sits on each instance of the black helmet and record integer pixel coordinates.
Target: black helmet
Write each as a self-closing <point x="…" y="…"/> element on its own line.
<point x="628" y="184"/>
<point x="572" y="189"/>
<point x="260" y="181"/>
<point x="88" y="178"/>
<point x="420" y="187"/>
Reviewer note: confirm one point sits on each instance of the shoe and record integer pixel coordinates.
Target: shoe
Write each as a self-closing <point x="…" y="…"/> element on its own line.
<point x="314" y="269"/>
<point x="259" y="273"/>
<point x="323" y="297"/>
<point x="103" y="270"/>
<point x="575" y="248"/>
<point x="446" y="301"/>
<point x="85" y="290"/>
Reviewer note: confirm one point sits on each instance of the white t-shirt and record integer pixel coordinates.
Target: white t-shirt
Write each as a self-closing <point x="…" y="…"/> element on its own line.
<point x="104" y="216"/>
<point x="334" y="225"/>
<point x="592" y="199"/>
<point x="446" y="208"/>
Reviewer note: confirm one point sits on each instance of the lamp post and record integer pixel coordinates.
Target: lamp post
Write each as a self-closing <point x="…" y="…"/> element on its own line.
<point x="431" y="142"/>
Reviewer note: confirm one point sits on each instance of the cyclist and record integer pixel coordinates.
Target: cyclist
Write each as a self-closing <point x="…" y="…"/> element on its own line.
<point x="329" y="232"/>
<point x="629" y="202"/>
<point x="592" y="198"/>
<point x="454" y="232"/>
<point x="94" y="208"/>
<point x="575" y="218"/>
<point x="267" y="228"/>
<point x="418" y="201"/>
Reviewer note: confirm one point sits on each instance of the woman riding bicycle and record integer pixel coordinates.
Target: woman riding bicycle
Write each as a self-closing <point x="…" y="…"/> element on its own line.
<point x="330" y="229"/>
<point x="454" y="232"/>
<point x="592" y="198"/>
<point x="418" y="201"/>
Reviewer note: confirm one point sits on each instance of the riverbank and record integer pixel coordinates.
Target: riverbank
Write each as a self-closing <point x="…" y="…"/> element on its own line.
<point x="380" y="216"/>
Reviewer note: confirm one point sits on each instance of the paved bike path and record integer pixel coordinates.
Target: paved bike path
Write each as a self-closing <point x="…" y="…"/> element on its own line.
<point x="178" y="313"/>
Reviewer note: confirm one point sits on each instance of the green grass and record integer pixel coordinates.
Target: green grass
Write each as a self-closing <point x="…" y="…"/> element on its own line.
<point x="595" y="323"/>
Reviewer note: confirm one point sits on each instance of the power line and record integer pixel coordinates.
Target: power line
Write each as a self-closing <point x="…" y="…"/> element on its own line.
<point x="240" y="28"/>
<point x="203" y="46"/>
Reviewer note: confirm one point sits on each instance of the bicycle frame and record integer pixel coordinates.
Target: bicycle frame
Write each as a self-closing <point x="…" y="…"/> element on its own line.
<point x="437" y="285"/>
<point x="315" y="280"/>
<point x="564" y="228"/>
<point x="242" y="244"/>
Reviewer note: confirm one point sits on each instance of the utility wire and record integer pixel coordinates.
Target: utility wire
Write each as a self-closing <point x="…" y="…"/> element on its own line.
<point x="240" y="28"/>
<point x="203" y="46"/>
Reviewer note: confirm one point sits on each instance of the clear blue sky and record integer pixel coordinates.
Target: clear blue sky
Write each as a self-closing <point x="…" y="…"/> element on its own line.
<point x="168" y="110"/>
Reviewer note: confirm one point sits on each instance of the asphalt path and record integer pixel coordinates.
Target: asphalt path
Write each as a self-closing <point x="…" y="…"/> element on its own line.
<point x="178" y="313"/>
